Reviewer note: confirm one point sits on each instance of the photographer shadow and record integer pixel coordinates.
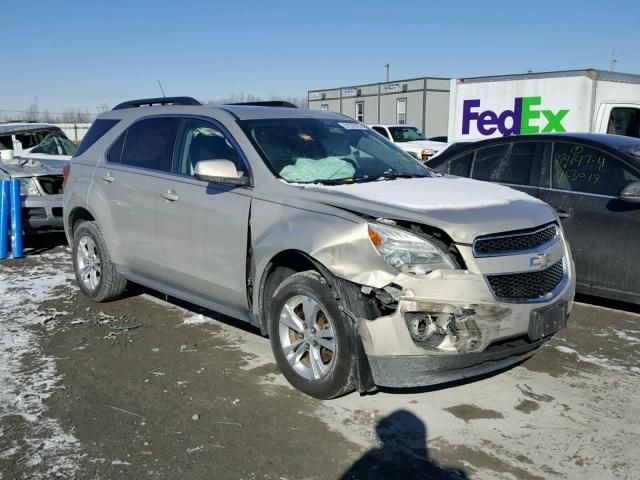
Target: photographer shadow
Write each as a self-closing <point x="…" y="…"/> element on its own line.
<point x="403" y="454"/>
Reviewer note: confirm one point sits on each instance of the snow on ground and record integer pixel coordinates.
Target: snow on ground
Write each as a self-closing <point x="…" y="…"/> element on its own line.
<point x="570" y="412"/>
<point x="598" y="360"/>
<point x="27" y="376"/>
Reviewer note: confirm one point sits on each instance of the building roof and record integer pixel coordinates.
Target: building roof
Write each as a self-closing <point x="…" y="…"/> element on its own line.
<point x="592" y="73"/>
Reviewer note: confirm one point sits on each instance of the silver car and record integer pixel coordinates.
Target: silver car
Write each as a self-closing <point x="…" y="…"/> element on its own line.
<point x="36" y="154"/>
<point x="363" y="267"/>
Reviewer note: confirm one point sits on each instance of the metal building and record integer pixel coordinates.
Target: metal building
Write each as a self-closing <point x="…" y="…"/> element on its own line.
<point x="419" y="102"/>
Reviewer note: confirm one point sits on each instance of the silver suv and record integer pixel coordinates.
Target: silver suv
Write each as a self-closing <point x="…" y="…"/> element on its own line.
<point x="364" y="267"/>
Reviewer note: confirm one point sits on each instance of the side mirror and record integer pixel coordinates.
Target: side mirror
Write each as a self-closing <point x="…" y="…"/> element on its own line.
<point x="220" y="171"/>
<point x="630" y="193"/>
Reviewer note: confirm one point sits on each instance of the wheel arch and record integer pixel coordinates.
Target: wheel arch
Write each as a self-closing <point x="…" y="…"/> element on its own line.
<point x="77" y="214"/>
<point x="348" y="295"/>
<point x="282" y="265"/>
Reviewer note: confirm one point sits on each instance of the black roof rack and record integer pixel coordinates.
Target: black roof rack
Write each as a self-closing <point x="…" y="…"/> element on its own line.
<point x="157" y="101"/>
<point x="268" y="103"/>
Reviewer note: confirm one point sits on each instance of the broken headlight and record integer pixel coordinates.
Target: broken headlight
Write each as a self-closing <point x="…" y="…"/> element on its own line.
<point x="408" y="252"/>
<point x="28" y="188"/>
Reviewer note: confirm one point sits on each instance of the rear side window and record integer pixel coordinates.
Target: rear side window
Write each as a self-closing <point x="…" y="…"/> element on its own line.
<point x="95" y="133"/>
<point x="506" y="163"/>
<point x="114" y="155"/>
<point x="489" y="160"/>
<point x="460" y="166"/>
<point x="149" y="144"/>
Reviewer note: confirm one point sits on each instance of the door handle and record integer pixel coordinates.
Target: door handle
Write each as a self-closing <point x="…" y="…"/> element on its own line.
<point x="562" y="213"/>
<point x="108" y="178"/>
<point x="169" y="195"/>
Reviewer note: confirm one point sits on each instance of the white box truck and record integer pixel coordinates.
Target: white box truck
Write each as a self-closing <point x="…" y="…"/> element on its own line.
<point x="593" y="101"/>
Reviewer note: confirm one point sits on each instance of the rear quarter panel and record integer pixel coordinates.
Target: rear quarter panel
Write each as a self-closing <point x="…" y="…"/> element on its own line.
<point x="76" y="192"/>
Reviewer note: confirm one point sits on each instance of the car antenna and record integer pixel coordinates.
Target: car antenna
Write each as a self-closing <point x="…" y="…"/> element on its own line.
<point x="161" y="89"/>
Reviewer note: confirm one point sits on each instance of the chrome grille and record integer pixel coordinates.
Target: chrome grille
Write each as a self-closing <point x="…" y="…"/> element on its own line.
<point x="529" y="285"/>
<point x="51" y="185"/>
<point x="515" y="242"/>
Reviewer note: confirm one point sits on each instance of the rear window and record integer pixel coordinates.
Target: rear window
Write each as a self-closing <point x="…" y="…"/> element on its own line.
<point x="149" y="144"/>
<point x="96" y="131"/>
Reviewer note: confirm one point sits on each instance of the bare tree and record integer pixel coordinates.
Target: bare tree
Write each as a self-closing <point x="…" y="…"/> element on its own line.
<point x="71" y="115"/>
<point x="32" y="114"/>
<point x="243" y="97"/>
<point x="47" y="117"/>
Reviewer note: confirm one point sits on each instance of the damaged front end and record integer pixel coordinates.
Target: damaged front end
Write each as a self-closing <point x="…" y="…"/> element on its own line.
<point x="417" y="325"/>
<point x="447" y="324"/>
<point x="425" y="342"/>
<point x="450" y="329"/>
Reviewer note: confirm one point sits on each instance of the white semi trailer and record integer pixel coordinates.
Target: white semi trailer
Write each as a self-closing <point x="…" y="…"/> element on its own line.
<point x="573" y="101"/>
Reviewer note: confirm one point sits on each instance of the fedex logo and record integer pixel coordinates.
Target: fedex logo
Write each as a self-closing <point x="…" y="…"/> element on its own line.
<point x="511" y="122"/>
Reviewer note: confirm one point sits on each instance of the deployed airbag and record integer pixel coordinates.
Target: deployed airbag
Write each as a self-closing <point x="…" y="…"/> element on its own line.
<point x="309" y="170"/>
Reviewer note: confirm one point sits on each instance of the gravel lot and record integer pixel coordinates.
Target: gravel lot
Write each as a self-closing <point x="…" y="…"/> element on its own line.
<point x="148" y="388"/>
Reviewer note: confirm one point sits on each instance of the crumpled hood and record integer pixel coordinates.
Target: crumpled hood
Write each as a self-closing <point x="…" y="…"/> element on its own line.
<point x="462" y="207"/>
<point x="420" y="144"/>
<point x="32" y="165"/>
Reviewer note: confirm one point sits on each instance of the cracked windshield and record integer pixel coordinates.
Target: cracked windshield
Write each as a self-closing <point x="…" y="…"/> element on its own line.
<point x="328" y="151"/>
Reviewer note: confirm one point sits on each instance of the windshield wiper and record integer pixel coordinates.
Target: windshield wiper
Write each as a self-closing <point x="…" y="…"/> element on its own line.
<point x="332" y="181"/>
<point x="394" y="175"/>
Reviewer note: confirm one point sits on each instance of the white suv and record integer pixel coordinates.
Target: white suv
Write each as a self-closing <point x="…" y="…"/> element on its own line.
<point x="411" y="140"/>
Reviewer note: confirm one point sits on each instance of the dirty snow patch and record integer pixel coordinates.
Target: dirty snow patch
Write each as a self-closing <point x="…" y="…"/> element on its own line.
<point x="27" y="376"/>
<point x="625" y="336"/>
<point x="197" y="319"/>
<point x="599" y="361"/>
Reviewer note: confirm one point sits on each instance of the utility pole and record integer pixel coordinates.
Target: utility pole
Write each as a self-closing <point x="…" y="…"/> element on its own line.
<point x="386" y="67"/>
<point x="613" y="61"/>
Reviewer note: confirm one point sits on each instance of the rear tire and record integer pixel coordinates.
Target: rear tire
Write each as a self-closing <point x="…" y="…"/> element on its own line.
<point x="95" y="273"/>
<point x="310" y="338"/>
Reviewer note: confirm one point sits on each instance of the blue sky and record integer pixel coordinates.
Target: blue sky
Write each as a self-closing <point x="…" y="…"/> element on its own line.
<point x="81" y="54"/>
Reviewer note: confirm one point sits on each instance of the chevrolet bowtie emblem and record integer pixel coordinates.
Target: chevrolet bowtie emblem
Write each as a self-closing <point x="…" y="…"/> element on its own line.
<point x="541" y="260"/>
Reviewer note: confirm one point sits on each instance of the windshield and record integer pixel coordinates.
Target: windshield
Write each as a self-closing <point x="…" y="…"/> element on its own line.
<point x="306" y="150"/>
<point x="406" y="134"/>
<point x="47" y="142"/>
<point x="55" y="143"/>
<point x="632" y="149"/>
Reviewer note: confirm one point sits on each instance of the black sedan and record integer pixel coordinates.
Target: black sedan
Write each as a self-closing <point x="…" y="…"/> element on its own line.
<point x="593" y="182"/>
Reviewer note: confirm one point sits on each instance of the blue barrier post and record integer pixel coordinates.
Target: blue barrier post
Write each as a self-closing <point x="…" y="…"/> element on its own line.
<point x="4" y="218"/>
<point x="16" y="219"/>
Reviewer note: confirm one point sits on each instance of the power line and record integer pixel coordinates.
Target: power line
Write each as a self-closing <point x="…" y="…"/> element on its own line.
<point x="44" y="112"/>
<point x="10" y="92"/>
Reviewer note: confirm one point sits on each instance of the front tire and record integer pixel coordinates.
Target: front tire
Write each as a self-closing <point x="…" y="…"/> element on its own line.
<point x="310" y="337"/>
<point x="95" y="273"/>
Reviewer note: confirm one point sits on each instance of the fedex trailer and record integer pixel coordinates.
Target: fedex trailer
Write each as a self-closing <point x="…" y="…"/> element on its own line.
<point x="573" y="101"/>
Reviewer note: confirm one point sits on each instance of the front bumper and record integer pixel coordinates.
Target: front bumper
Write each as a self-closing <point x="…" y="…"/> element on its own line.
<point x="488" y="334"/>
<point x="424" y="370"/>
<point x="40" y="214"/>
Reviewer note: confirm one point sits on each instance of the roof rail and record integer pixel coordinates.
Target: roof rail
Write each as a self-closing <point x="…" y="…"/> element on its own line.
<point x="268" y="103"/>
<point x="157" y="101"/>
